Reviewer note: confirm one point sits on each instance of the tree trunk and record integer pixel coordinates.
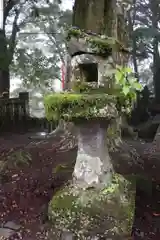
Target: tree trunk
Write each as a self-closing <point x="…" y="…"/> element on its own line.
<point x="67" y="72"/>
<point x="104" y="18"/>
<point x="156" y="71"/>
<point x="7" y="47"/>
<point x="134" y="44"/>
<point x="89" y="15"/>
<point x="4" y="65"/>
<point x="154" y="5"/>
<point x="96" y="16"/>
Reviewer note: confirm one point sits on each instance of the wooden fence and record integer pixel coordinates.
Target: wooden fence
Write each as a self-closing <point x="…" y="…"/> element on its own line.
<point x="15" y="117"/>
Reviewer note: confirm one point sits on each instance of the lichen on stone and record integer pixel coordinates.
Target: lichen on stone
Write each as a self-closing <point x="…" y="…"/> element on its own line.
<point x="93" y="212"/>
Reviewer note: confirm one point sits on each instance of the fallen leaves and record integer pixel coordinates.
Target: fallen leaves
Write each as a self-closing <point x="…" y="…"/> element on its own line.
<point x="30" y="187"/>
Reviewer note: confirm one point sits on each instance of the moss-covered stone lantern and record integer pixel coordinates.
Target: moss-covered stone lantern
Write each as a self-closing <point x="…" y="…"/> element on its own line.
<point x="98" y="202"/>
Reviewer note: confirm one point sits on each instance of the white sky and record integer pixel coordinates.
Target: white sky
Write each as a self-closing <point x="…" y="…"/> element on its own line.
<point x="1" y="14"/>
<point x="66" y="4"/>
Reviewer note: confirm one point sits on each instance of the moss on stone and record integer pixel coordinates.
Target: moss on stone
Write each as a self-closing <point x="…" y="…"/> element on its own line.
<point x="93" y="212"/>
<point x="79" y="86"/>
<point x="71" y="106"/>
<point x="98" y="43"/>
<point x="114" y="134"/>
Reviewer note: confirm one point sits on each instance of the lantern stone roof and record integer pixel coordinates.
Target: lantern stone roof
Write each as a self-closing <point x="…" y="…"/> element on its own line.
<point x="82" y="42"/>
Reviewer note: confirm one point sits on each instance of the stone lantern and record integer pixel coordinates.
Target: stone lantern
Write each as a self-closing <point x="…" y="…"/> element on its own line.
<point x="99" y="201"/>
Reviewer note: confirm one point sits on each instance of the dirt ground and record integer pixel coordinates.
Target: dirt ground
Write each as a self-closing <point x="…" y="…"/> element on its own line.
<point x="147" y="214"/>
<point x="26" y="191"/>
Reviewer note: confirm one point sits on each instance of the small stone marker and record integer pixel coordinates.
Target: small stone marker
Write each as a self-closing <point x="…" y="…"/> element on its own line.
<point x="156" y="119"/>
<point x="5" y="233"/>
<point x="12" y="225"/>
<point x="67" y="236"/>
<point x="9" y="229"/>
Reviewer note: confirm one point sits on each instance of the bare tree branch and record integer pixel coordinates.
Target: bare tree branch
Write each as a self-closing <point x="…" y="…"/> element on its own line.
<point x="12" y="41"/>
<point x="8" y="6"/>
<point x="53" y="40"/>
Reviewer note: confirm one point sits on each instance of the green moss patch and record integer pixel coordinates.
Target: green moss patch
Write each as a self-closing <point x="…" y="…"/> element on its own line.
<point x="98" y="44"/>
<point x="95" y="212"/>
<point x="69" y="106"/>
<point x="79" y="86"/>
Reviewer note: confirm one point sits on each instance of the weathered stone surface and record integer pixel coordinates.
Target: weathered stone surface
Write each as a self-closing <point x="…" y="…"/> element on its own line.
<point x="9" y="229"/>
<point x="5" y="233"/>
<point x="105" y="68"/>
<point x="99" y="203"/>
<point x="12" y="225"/>
<point x="88" y="213"/>
<point x="67" y="236"/>
<point x="93" y="166"/>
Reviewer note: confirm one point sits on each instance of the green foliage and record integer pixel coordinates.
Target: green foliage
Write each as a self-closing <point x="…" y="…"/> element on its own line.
<point x="59" y="168"/>
<point x="127" y="87"/>
<point x="71" y="106"/>
<point x="89" y="101"/>
<point x="41" y="46"/>
<point x="34" y="68"/>
<point x="144" y="30"/>
<point x="19" y="158"/>
<point x="121" y="84"/>
<point x="14" y="159"/>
